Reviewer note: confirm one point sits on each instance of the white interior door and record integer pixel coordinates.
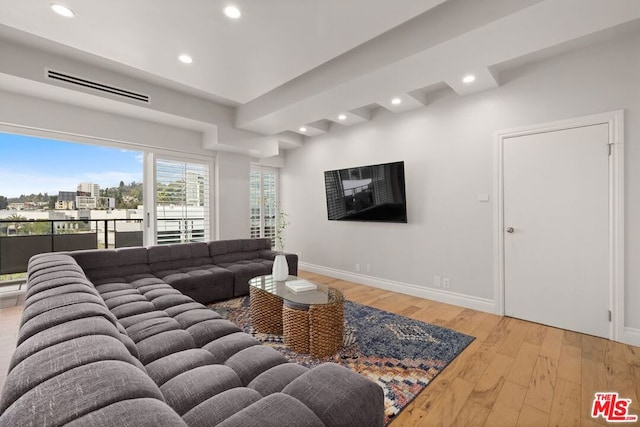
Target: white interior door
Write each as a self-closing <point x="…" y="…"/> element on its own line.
<point x="556" y="240"/>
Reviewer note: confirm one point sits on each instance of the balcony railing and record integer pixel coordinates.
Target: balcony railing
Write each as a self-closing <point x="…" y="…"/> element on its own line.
<point x="21" y="239"/>
<point x="181" y="230"/>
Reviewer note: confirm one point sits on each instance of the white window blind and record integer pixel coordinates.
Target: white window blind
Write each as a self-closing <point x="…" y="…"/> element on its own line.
<point x="182" y="201"/>
<point x="264" y="202"/>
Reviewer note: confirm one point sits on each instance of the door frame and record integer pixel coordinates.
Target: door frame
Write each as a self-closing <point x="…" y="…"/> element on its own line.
<point x="615" y="120"/>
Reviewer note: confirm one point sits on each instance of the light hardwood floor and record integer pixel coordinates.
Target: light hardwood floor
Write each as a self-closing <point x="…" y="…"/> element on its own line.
<point x="515" y="373"/>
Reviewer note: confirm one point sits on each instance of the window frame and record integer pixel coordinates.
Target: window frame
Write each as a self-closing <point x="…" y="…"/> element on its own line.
<point x="150" y="214"/>
<point x="262" y="219"/>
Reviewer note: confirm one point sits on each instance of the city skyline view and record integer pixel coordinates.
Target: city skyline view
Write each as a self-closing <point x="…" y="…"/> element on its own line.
<point x="33" y="165"/>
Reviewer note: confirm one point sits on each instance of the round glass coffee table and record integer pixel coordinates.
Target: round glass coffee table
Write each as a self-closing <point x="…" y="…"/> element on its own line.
<point x="310" y="321"/>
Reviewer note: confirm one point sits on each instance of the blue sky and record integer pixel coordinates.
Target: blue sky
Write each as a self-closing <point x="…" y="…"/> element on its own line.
<point x="37" y="165"/>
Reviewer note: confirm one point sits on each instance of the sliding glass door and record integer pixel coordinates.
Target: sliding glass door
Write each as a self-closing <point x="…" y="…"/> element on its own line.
<point x="183" y="207"/>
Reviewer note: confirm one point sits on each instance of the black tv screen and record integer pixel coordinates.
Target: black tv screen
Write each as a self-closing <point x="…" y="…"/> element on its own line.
<point x="367" y="193"/>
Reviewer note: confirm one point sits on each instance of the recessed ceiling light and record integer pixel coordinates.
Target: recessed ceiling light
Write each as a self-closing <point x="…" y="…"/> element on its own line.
<point x="396" y="101"/>
<point x="185" y="59"/>
<point x="342" y="117"/>
<point x="62" y="10"/>
<point x="232" y="12"/>
<point x="469" y="78"/>
<point x="303" y="129"/>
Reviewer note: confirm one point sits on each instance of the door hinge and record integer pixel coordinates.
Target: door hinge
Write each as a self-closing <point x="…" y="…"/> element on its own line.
<point x="610" y="145"/>
<point x="609" y="315"/>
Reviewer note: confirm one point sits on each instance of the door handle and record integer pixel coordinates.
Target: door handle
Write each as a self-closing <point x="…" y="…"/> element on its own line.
<point x="510" y="230"/>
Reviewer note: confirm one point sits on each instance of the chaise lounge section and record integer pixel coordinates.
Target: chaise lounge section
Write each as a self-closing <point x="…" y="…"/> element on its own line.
<point x="126" y="348"/>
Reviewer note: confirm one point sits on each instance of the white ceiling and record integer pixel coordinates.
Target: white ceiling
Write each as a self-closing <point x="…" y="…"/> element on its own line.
<point x="273" y="42"/>
<point x="291" y="63"/>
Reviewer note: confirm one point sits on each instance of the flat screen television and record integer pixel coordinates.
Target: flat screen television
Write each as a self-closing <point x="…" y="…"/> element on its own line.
<point x="367" y="193"/>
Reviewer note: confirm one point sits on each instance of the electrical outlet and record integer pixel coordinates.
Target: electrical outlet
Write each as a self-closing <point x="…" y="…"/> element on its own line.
<point x="446" y="282"/>
<point x="436" y="281"/>
<point x="357" y="268"/>
<point x="368" y="268"/>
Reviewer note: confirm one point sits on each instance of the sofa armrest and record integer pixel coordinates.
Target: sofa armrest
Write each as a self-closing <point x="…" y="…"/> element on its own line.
<point x="339" y="396"/>
<point x="292" y="259"/>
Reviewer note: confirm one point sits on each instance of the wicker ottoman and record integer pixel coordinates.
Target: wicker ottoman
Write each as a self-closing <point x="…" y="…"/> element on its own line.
<point x="266" y="311"/>
<point x="316" y="329"/>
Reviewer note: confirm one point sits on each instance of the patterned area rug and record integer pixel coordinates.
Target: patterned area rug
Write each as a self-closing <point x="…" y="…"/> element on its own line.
<point x="400" y="354"/>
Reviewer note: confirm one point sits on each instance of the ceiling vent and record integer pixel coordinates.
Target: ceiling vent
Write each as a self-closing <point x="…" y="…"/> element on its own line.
<point x="56" y="75"/>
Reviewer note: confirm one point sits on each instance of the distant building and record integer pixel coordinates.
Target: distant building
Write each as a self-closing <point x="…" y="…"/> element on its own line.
<point x="66" y="200"/>
<point x="93" y="202"/>
<point x="86" y="198"/>
<point x="92" y="189"/>
<point x="195" y="189"/>
<point x="65" y="205"/>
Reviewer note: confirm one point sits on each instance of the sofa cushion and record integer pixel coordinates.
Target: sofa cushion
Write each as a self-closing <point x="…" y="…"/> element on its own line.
<point x="196" y="385"/>
<point x="232" y="257"/>
<point x="225" y="347"/>
<point x="58" y="301"/>
<point x="51" y="285"/>
<point x="191" y="317"/>
<point x="132" y="256"/>
<point x="163" y="344"/>
<point x="218" y="408"/>
<point x="263" y="243"/>
<point x="124" y="299"/>
<point x="136" y="318"/>
<point x="92" y="259"/>
<point x="277" y="378"/>
<point x="143" y="412"/>
<point x="115" y="294"/>
<point x="327" y="390"/>
<point x="189" y="254"/>
<point x="132" y="308"/>
<point x="59" y="358"/>
<point x="217" y="247"/>
<point x="250" y="245"/>
<point x="150" y="327"/>
<point x="235" y="245"/>
<point x="170" y="300"/>
<point x="61" y="315"/>
<point x="245" y="272"/>
<point x="276" y="410"/>
<point x="165" y="368"/>
<point x="79" y="391"/>
<point x="65" y="331"/>
<point x="254" y="360"/>
<point x="204" y="284"/>
<point x="210" y="330"/>
<point x="53" y="271"/>
<point x="157" y="293"/>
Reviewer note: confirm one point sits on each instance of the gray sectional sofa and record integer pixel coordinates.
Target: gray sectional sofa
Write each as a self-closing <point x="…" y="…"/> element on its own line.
<point x="116" y="338"/>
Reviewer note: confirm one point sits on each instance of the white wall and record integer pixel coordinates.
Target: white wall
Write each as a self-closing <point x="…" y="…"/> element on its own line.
<point x="232" y="187"/>
<point x="447" y="148"/>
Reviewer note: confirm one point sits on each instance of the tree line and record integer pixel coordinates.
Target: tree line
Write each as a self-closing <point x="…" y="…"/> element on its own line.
<point x="127" y="196"/>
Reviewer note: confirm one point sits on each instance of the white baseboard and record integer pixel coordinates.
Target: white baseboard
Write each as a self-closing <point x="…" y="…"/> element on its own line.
<point x="467" y="301"/>
<point x="631" y="336"/>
